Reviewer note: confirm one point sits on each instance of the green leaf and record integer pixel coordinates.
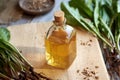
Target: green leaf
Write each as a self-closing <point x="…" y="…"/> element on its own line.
<point x="117" y="33"/>
<point x="85" y="8"/>
<point x="72" y="15"/>
<point x="104" y="14"/>
<point x="96" y="13"/>
<point x="95" y="31"/>
<point x="100" y="17"/>
<point x="81" y="22"/>
<point x="118" y="6"/>
<point x="114" y="5"/>
<point x="4" y="34"/>
<point x="107" y="29"/>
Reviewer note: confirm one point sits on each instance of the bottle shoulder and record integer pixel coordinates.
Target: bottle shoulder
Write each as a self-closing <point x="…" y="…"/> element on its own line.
<point x="65" y="28"/>
<point x="60" y="32"/>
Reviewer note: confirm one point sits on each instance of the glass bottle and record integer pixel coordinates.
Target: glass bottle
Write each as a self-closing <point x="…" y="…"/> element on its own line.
<point x="60" y="43"/>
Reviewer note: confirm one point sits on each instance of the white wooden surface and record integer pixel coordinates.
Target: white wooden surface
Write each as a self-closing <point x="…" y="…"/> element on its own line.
<point x="29" y="38"/>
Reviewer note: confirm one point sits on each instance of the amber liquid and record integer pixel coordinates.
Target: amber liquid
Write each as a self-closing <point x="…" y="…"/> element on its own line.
<point x="60" y="50"/>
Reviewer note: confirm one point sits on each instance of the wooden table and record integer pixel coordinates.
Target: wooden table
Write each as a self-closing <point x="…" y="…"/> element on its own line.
<point x="11" y="14"/>
<point x="89" y="63"/>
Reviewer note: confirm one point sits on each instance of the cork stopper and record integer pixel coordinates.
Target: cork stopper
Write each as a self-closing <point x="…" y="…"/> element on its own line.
<point x="59" y="16"/>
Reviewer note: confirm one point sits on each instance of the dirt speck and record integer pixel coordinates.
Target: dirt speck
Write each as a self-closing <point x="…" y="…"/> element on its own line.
<point x="88" y="74"/>
<point x="96" y="67"/>
<point x="90" y="40"/>
<point x="78" y="71"/>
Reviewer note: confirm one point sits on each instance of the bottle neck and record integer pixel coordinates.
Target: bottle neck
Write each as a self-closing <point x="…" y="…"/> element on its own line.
<point x="60" y="23"/>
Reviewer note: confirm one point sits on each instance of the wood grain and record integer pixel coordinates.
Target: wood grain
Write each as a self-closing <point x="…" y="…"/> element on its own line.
<point x="10" y="11"/>
<point x="29" y="38"/>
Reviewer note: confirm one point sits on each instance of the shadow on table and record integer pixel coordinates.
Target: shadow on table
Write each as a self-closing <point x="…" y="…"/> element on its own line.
<point x="36" y="56"/>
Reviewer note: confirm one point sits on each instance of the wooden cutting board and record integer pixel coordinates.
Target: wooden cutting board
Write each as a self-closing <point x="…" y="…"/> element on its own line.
<point x="88" y="65"/>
